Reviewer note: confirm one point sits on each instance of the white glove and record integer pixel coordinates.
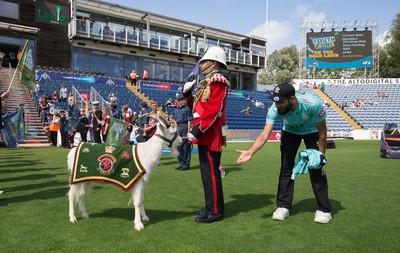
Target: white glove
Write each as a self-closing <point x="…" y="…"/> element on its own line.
<point x="191" y="137"/>
<point x="189" y="85"/>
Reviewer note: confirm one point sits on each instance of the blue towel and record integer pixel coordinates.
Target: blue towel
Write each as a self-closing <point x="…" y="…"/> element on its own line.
<point x="308" y="159"/>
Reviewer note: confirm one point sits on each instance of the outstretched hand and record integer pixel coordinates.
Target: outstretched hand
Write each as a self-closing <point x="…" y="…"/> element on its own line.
<point x="244" y="156"/>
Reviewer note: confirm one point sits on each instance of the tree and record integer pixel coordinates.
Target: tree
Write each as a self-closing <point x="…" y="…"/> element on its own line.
<point x="282" y="66"/>
<point x="389" y="57"/>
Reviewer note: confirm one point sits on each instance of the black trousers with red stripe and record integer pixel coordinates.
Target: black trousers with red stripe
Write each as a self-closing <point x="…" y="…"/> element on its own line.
<point x="211" y="177"/>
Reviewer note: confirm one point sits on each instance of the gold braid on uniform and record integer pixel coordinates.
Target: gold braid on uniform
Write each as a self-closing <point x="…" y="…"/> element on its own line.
<point x="203" y="87"/>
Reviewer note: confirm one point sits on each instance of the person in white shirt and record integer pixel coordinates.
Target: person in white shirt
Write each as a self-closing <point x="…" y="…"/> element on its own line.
<point x="63" y="93"/>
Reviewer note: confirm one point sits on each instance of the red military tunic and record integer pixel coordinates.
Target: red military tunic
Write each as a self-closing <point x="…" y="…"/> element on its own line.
<point x="208" y="105"/>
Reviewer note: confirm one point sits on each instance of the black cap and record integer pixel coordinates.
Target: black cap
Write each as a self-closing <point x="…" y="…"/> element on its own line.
<point x="113" y="105"/>
<point x="282" y="91"/>
<point x="180" y="96"/>
<point x="143" y="104"/>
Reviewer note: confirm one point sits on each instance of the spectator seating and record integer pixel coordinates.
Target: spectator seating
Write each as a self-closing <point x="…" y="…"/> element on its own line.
<point x="123" y="94"/>
<point x="371" y="116"/>
<point x="376" y="111"/>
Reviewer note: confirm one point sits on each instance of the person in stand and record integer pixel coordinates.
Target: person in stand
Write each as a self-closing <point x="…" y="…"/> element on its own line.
<point x="134" y="118"/>
<point x="2" y="108"/>
<point x="304" y="118"/>
<point x="150" y="124"/>
<point x="145" y="75"/>
<point x="63" y="93"/>
<point x="246" y="111"/>
<point x="37" y="87"/>
<point x="82" y="126"/>
<point x="112" y="98"/>
<point x="71" y="103"/>
<point x="96" y="122"/>
<point x="63" y="131"/>
<point x="115" y="113"/>
<point x="105" y="123"/>
<point x="53" y="109"/>
<point x="55" y="98"/>
<point x="90" y="127"/>
<point x="169" y="102"/>
<point x="127" y="117"/>
<point x="183" y="118"/>
<point x="133" y="77"/>
<point x="91" y="21"/>
<point x="54" y="127"/>
<point x="139" y="133"/>
<point x="209" y="116"/>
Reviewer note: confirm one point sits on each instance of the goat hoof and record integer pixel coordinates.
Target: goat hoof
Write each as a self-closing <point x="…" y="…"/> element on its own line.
<point x="73" y="219"/>
<point x="139" y="226"/>
<point x="85" y="215"/>
<point x="145" y="218"/>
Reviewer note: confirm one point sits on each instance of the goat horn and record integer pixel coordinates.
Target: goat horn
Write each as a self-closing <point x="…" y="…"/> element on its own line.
<point x="142" y="117"/>
<point x="163" y="121"/>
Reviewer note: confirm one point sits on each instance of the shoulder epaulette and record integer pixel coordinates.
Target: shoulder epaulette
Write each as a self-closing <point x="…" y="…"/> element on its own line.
<point x="219" y="78"/>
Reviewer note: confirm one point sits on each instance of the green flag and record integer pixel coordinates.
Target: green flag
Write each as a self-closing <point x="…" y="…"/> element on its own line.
<point x="116" y="132"/>
<point x="25" y="65"/>
<point x="14" y="128"/>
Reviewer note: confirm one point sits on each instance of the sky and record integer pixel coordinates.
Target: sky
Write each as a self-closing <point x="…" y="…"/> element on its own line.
<point x="284" y="16"/>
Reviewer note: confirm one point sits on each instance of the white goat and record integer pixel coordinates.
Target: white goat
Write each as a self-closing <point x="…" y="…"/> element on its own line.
<point x="149" y="154"/>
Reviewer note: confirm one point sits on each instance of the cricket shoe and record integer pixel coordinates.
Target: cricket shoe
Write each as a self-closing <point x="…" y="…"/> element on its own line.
<point x="321" y="217"/>
<point x="281" y="213"/>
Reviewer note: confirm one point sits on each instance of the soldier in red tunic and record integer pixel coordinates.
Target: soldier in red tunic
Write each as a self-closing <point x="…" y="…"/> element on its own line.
<point x="209" y="118"/>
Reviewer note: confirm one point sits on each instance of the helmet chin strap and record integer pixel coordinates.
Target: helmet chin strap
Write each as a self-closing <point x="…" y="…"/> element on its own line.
<point x="205" y="66"/>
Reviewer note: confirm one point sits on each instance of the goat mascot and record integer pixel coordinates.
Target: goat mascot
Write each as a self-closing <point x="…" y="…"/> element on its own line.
<point x="148" y="153"/>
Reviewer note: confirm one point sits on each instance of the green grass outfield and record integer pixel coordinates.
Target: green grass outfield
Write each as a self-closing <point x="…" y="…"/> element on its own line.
<point x="364" y="190"/>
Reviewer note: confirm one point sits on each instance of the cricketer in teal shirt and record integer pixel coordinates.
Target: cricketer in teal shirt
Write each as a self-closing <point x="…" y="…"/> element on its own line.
<point x="302" y="119"/>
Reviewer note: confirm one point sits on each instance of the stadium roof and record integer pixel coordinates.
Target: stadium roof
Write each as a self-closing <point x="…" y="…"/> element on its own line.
<point x="164" y="21"/>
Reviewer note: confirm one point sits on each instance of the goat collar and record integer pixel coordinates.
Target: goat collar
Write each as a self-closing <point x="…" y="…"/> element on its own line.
<point x="168" y="141"/>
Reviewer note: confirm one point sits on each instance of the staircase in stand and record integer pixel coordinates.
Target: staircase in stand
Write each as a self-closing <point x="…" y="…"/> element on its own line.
<point x="135" y="90"/>
<point x="19" y="93"/>
<point x="342" y="113"/>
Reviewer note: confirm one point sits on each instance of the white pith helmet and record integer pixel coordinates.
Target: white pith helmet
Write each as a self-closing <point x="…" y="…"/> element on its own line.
<point x="215" y="53"/>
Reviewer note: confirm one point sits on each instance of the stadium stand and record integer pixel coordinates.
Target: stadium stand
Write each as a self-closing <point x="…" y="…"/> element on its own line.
<point x="380" y="103"/>
<point x="335" y="122"/>
<point x="124" y="95"/>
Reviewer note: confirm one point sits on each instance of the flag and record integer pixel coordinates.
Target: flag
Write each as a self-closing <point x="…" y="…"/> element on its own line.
<point x="14" y="128"/>
<point x="195" y="72"/>
<point x="116" y="132"/>
<point x="25" y="65"/>
<point x="71" y="125"/>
